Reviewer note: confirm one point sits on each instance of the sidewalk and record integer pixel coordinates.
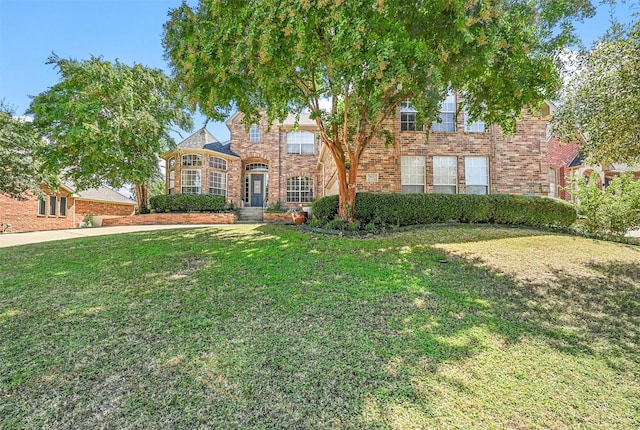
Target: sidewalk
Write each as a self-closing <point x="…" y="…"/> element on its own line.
<point x="15" y="239"/>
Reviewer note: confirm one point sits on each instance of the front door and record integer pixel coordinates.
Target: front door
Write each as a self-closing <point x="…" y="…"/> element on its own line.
<point x="257" y="190"/>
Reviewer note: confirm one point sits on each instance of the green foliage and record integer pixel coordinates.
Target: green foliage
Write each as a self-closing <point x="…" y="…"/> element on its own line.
<point x="275" y="208"/>
<point x="187" y="203"/>
<point x="603" y="100"/>
<point x="107" y="122"/>
<point x="366" y="57"/>
<point x="415" y="209"/>
<point x="20" y="171"/>
<point x="614" y="210"/>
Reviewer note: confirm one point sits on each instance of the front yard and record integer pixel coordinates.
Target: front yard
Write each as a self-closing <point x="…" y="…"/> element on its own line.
<point x="269" y="327"/>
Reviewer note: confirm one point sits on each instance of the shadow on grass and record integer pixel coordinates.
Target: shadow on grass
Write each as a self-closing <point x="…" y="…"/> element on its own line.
<point x="271" y="328"/>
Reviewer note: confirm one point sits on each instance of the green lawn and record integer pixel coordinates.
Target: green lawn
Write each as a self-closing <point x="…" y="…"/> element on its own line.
<point x="271" y="327"/>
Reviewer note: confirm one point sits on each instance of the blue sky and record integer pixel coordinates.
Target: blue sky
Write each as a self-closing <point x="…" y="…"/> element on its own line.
<point x="129" y="30"/>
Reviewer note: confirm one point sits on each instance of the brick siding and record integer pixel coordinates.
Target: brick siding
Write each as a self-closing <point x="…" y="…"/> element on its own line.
<point x="173" y="218"/>
<point x="23" y="214"/>
<point x="85" y="207"/>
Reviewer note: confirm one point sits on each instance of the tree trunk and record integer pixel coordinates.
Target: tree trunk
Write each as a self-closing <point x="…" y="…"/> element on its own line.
<point x="142" y="195"/>
<point x="347" y="179"/>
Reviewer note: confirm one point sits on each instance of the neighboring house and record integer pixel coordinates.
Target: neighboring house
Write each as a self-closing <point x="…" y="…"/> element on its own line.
<point x="287" y="163"/>
<point x="64" y="208"/>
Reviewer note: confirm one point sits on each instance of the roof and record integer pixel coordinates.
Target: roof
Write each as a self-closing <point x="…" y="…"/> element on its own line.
<point x="100" y="194"/>
<point x="202" y="139"/>
<point x="577" y="161"/>
<point x="289" y="121"/>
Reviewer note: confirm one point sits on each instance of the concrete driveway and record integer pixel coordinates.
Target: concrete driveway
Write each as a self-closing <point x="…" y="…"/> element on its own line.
<point x="15" y="239"/>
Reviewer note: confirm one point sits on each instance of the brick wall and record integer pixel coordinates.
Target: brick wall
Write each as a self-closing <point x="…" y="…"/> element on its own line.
<point x="84" y="207"/>
<point x="23" y="214"/>
<point x="173" y="218"/>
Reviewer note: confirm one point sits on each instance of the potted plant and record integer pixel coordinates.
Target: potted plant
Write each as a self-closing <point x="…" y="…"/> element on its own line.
<point x="299" y="216"/>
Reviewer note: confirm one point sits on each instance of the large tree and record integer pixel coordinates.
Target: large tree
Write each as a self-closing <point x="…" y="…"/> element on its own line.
<point x="366" y="57"/>
<point x="20" y="172"/>
<point x="108" y="122"/>
<point x="602" y="101"/>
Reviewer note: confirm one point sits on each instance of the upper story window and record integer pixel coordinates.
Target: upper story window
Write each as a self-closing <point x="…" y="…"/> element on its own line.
<point x="447" y="114"/>
<point x="300" y="142"/>
<point x="172" y="163"/>
<point x="473" y="127"/>
<point x="218" y="163"/>
<point x="408" y="117"/>
<point x="254" y="133"/>
<point x="192" y="160"/>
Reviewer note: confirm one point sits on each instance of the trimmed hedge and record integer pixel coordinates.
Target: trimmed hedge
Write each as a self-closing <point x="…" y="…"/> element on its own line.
<point x="187" y="203"/>
<point x="414" y="209"/>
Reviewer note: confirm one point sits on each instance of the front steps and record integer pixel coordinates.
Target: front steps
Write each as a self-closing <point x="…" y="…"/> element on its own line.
<point x="250" y="216"/>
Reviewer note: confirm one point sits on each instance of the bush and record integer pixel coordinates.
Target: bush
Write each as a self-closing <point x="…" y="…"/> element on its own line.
<point x="614" y="210"/>
<point x="187" y="203"/>
<point x="414" y="209"/>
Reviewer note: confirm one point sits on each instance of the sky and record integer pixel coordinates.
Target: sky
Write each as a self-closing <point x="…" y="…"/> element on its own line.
<point x="127" y="30"/>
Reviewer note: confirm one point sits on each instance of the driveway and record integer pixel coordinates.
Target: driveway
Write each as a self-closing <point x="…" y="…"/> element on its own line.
<point x="14" y="239"/>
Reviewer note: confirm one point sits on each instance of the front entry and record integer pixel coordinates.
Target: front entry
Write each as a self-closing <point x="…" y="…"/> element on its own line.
<point x="257" y="190"/>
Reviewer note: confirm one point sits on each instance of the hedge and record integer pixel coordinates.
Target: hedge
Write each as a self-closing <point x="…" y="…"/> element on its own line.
<point x="187" y="203"/>
<point x="414" y="209"/>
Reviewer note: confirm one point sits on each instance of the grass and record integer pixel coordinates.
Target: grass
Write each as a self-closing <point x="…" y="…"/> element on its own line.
<point x="270" y="327"/>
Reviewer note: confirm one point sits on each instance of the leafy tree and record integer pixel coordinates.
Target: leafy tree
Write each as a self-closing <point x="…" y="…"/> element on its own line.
<point x="108" y="122"/>
<point x="19" y="167"/>
<point x="612" y="210"/>
<point x="366" y="57"/>
<point x="602" y="101"/>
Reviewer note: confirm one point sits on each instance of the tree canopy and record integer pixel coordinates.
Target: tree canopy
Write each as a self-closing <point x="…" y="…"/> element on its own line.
<point x="108" y="122"/>
<point x="20" y="171"/>
<point x="366" y="57"/>
<point x="602" y="101"/>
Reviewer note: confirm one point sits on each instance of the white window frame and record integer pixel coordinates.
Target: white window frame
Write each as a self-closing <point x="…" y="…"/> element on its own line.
<point x="172" y="182"/>
<point x="445" y="174"/>
<point x="218" y="183"/>
<point x="42" y="206"/>
<point x="447" y="115"/>
<point x="254" y="133"/>
<point x="192" y="160"/>
<point x="476" y="172"/>
<point x="301" y="142"/>
<point x="474" y="127"/>
<point x="194" y="184"/>
<point x="412" y="174"/>
<point x="299" y="189"/>
<point x="218" y="163"/>
<point x="408" y="117"/>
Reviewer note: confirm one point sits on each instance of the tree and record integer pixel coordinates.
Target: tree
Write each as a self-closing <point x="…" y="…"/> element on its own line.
<point x="108" y="122"/>
<point x="366" y="57"/>
<point x="19" y="167"/>
<point x="602" y="101"/>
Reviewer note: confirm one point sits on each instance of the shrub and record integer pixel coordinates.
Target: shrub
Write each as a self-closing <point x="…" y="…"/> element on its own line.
<point x="614" y="210"/>
<point x="187" y="203"/>
<point x="413" y="209"/>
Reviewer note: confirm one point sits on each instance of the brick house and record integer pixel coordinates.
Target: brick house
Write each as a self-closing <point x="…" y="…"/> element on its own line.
<point x="287" y="163"/>
<point x="64" y="208"/>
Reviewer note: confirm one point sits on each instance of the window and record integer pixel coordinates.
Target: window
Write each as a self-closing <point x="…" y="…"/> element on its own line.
<point x="299" y="189"/>
<point x="257" y="167"/>
<point x="476" y="170"/>
<point x="447" y="114"/>
<point x="553" y="183"/>
<point x="42" y="207"/>
<point x="218" y="163"/>
<point x="445" y="175"/>
<point x="408" y="117"/>
<point x="218" y="183"/>
<point x="172" y="163"/>
<point x="191" y="182"/>
<point x="53" y="203"/>
<point x="192" y="160"/>
<point x="300" y="142"/>
<point x="474" y="127"/>
<point x="254" y="133"/>
<point x="172" y="182"/>
<point x="63" y="206"/>
<point x="412" y="175"/>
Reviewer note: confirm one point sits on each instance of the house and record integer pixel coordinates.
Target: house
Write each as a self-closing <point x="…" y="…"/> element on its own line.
<point x="61" y="209"/>
<point x="287" y="163"/>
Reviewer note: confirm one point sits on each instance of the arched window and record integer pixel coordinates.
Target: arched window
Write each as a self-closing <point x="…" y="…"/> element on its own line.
<point x="299" y="189"/>
<point x="256" y="167"/>
<point x="192" y="160"/>
<point x="300" y="142"/>
<point x="218" y="163"/>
